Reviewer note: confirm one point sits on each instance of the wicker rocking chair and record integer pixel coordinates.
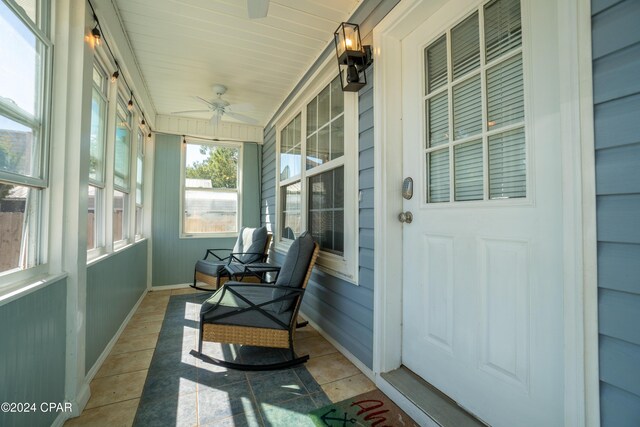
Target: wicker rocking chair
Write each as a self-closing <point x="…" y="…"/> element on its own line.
<point x="252" y="246"/>
<point x="262" y="315"/>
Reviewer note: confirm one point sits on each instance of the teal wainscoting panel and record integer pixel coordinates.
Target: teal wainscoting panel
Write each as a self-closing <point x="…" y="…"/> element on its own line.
<point x="32" y="353"/>
<point x="114" y="285"/>
<point x="175" y="257"/>
<point x="616" y="90"/>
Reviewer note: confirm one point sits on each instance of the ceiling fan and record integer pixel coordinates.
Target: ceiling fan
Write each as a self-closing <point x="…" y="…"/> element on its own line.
<point x="257" y="8"/>
<point x="220" y="107"/>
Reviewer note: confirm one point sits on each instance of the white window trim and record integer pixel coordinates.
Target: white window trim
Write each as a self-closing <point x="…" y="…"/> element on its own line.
<point x="183" y="152"/>
<point x="16" y="279"/>
<point x="346" y="266"/>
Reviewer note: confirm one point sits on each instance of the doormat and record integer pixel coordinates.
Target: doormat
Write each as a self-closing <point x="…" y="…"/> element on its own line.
<point x="369" y="409"/>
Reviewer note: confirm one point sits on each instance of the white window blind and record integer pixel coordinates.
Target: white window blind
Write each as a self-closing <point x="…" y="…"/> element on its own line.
<point x="475" y="111"/>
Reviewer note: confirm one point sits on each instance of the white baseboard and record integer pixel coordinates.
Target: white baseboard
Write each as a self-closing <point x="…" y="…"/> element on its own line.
<point x="96" y="366"/>
<point x="405" y="404"/>
<point x="170" y="287"/>
<point x="346" y="353"/>
<point x="77" y="406"/>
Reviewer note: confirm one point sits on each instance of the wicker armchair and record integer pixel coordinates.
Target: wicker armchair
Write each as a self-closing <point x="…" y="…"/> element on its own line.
<point x="262" y="315"/>
<point x="252" y="246"/>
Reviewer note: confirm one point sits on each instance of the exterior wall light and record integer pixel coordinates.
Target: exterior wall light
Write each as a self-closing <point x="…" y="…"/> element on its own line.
<point x="353" y="58"/>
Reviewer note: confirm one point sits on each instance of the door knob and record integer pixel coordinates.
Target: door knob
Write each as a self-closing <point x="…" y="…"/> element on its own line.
<point x="405" y="217"/>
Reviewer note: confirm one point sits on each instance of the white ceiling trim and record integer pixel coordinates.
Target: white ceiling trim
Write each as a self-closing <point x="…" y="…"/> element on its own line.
<point x="202" y="128"/>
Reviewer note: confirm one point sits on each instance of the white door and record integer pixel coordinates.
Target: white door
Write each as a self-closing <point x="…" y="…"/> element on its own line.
<point x="482" y="273"/>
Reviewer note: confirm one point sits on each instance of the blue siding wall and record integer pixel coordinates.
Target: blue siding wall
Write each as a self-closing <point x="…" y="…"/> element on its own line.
<point x="114" y="285"/>
<point x="32" y="354"/>
<point x="616" y="89"/>
<point x="173" y="257"/>
<point x="343" y="310"/>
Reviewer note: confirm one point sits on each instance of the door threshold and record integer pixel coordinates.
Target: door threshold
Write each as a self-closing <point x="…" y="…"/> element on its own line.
<point x="438" y="406"/>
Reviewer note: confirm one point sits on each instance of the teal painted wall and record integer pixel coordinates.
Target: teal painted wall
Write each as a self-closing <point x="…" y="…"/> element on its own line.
<point x="32" y="354"/>
<point x="114" y="285"/>
<point x="173" y="257"/>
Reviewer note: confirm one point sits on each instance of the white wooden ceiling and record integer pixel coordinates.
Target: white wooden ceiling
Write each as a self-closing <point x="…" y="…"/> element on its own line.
<point x="183" y="47"/>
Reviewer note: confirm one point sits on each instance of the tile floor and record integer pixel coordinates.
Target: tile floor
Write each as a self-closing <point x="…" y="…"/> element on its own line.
<point x="150" y="379"/>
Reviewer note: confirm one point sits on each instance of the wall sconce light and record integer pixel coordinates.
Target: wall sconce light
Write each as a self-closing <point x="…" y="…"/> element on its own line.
<point x="353" y="58"/>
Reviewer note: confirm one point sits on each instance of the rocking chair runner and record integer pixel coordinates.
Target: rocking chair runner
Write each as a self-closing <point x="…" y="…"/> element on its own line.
<point x="252" y="246"/>
<point x="264" y="314"/>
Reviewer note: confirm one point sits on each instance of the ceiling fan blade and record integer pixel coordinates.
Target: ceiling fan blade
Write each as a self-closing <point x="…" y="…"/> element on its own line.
<point x="257" y="8"/>
<point x="190" y="111"/>
<point x="242" y="118"/>
<point x="215" y="120"/>
<point x="241" y="108"/>
<point x="204" y="100"/>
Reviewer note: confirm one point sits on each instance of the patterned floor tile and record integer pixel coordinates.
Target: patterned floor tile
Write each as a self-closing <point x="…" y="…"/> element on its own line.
<point x="224" y="401"/>
<point x="291" y="413"/>
<point x="278" y="387"/>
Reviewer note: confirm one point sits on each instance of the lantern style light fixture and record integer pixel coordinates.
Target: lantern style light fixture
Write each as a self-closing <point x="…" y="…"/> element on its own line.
<point x="353" y="58"/>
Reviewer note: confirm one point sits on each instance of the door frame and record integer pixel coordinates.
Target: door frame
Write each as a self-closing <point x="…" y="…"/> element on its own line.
<point x="581" y="374"/>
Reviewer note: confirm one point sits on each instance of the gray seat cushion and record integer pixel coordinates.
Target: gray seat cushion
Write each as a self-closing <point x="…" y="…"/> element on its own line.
<point x="210" y="268"/>
<point x="250" y="241"/>
<point x="294" y="269"/>
<point x="225" y="302"/>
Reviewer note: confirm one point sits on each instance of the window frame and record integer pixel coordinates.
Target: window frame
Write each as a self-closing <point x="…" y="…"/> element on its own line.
<point x="41" y="123"/>
<point x="183" y="153"/>
<point x="120" y="100"/>
<point x="451" y="82"/>
<point x="100" y="185"/>
<point x="343" y="266"/>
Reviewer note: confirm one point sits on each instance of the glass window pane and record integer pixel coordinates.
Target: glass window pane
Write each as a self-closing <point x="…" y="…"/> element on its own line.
<point x="291" y="149"/>
<point x="438" y="176"/>
<point x="22" y="59"/>
<point x="92" y="221"/>
<point x="468" y="171"/>
<point x="438" y="120"/>
<point x="323" y="106"/>
<point x="312" y="116"/>
<point x="337" y="98"/>
<point x="211" y="166"/>
<point x="505" y="93"/>
<point x="209" y="211"/>
<point x="467" y="108"/>
<point x="502" y="27"/>
<point x="120" y="200"/>
<point x="122" y="150"/>
<point x="326" y="210"/>
<point x="291" y="210"/>
<point x="337" y="138"/>
<point x="97" y="136"/>
<point x="139" y="181"/>
<point x="19" y="214"/>
<point x="138" y="220"/>
<point x="324" y="145"/>
<point x="465" y="46"/>
<point x="435" y="57"/>
<point x="507" y="165"/>
<point x="19" y="153"/>
<point x="312" y="152"/>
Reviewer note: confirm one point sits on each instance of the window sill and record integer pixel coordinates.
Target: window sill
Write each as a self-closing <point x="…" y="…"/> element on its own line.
<point x="233" y="234"/>
<point x="22" y="288"/>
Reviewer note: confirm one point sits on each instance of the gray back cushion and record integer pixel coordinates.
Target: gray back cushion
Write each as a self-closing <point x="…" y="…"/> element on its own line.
<point x="294" y="268"/>
<point x="250" y="241"/>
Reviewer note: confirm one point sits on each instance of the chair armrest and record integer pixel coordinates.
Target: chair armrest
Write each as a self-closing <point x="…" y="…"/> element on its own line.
<point x="211" y="252"/>
<point x="258" y="269"/>
<point x="234" y="255"/>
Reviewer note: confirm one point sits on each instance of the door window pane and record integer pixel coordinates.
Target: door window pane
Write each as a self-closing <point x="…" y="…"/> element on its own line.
<point x="505" y="93"/>
<point x="468" y="171"/>
<point x="465" y="46"/>
<point x="326" y="210"/>
<point x="291" y="210"/>
<point x="502" y="27"/>
<point x="438" y="120"/>
<point x="507" y="165"/>
<point x="435" y="57"/>
<point x="467" y="108"/>
<point x="438" y="176"/>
